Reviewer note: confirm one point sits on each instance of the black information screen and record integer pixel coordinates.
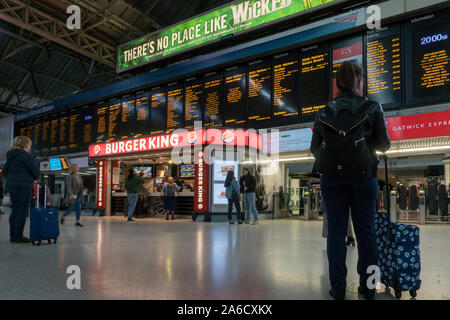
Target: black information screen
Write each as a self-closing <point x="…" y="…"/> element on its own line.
<point x="285" y="86"/>
<point x="64" y="128"/>
<point x="235" y="96"/>
<point x="384" y="66"/>
<point x="158" y="111"/>
<point x="259" y="90"/>
<point x="114" y="118"/>
<point x="193" y="102"/>
<point x="175" y="102"/>
<point x="45" y="135"/>
<point x="54" y="133"/>
<point x="142" y="112"/>
<point x="213" y="99"/>
<point x="315" y="79"/>
<point x="128" y="119"/>
<point x="429" y="44"/>
<point x="74" y="129"/>
<point x="37" y="136"/>
<point x="101" y="129"/>
<point x="88" y="123"/>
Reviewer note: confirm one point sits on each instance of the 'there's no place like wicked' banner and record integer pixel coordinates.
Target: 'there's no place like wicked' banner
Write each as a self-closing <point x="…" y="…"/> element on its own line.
<point x="239" y="16"/>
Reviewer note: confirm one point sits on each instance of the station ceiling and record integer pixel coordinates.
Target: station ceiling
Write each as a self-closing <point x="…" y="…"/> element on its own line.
<point x="41" y="61"/>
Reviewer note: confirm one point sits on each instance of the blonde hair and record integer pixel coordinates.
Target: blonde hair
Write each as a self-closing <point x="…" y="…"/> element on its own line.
<point x="170" y="180"/>
<point x="72" y="168"/>
<point x="21" y="142"/>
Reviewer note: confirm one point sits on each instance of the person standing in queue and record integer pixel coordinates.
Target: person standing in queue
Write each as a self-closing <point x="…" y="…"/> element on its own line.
<point x="74" y="194"/>
<point x="170" y="197"/>
<point x="20" y="171"/>
<point x="234" y="197"/>
<point x="247" y="186"/>
<point x="133" y="184"/>
<point x="347" y="133"/>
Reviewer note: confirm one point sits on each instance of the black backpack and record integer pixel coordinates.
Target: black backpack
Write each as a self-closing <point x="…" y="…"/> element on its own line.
<point x="344" y="150"/>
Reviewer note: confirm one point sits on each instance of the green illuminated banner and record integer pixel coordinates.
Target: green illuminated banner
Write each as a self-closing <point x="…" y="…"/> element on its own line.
<point x="231" y="19"/>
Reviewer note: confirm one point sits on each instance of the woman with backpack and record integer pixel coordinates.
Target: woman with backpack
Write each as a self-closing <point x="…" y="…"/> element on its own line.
<point x="233" y="196"/>
<point x="346" y="135"/>
<point x="170" y="190"/>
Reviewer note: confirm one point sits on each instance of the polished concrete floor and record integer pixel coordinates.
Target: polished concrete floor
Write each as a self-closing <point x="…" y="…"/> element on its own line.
<point x="157" y="259"/>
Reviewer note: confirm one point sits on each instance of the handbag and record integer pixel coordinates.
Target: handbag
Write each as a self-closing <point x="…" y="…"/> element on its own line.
<point x="235" y="196"/>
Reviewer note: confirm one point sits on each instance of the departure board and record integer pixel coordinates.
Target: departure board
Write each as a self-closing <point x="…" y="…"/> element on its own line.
<point x="315" y="79"/>
<point x="45" y="135"/>
<point x="74" y="129"/>
<point x="428" y="43"/>
<point x="235" y="106"/>
<point x="285" y="86"/>
<point x="193" y="109"/>
<point x="259" y="90"/>
<point x="175" y="102"/>
<point x="384" y="66"/>
<point x="64" y="128"/>
<point x="158" y="110"/>
<point x="349" y="49"/>
<point x="101" y="129"/>
<point x="142" y="112"/>
<point x="114" y="118"/>
<point x="54" y="133"/>
<point x="37" y="136"/>
<point x="213" y="99"/>
<point x="128" y="121"/>
<point x="88" y="124"/>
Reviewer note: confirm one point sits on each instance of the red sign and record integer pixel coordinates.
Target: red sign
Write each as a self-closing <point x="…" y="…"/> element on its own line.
<point x="201" y="184"/>
<point x="101" y="184"/>
<point x="425" y="125"/>
<point x="183" y="139"/>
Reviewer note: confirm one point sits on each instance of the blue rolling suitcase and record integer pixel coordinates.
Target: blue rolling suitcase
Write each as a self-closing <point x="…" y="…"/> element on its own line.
<point x="398" y="253"/>
<point x="44" y="223"/>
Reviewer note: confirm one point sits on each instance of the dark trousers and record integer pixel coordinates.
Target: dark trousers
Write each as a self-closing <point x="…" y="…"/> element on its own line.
<point x="238" y="208"/>
<point x="359" y="193"/>
<point x="20" y="202"/>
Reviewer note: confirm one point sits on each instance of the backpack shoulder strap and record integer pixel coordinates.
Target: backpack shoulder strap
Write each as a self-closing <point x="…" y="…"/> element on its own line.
<point x="365" y="106"/>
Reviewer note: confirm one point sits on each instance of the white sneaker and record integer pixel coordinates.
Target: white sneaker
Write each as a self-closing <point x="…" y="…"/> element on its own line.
<point x="255" y="223"/>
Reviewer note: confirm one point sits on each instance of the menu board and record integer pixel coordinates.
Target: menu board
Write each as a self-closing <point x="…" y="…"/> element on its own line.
<point x="260" y="90"/>
<point x="187" y="171"/>
<point x="428" y="45"/>
<point x="315" y="79"/>
<point x="193" y="110"/>
<point x="74" y="129"/>
<point x="54" y="133"/>
<point x="235" y="93"/>
<point x="142" y="112"/>
<point x="349" y="49"/>
<point x="213" y="99"/>
<point x="175" y="102"/>
<point x="221" y="169"/>
<point x="285" y="86"/>
<point x="63" y="131"/>
<point x="128" y="120"/>
<point x="158" y="111"/>
<point x="87" y="126"/>
<point x="219" y="194"/>
<point x="384" y="66"/>
<point x="101" y="129"/>
<point x="114" y="117"/>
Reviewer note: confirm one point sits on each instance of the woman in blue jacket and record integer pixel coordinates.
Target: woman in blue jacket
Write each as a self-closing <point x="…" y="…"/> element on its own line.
<point x="233" y="196"/>
<point x="20" y="171"/>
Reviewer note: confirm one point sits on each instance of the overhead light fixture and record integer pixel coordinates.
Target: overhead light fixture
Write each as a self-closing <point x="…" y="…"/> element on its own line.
<point x="425" y="149"/>
<point x="281" y="160"/>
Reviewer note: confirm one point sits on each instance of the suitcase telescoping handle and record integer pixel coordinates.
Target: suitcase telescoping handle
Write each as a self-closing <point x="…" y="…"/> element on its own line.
<point x="386" y="177"/>
<point x="37" y="196"/>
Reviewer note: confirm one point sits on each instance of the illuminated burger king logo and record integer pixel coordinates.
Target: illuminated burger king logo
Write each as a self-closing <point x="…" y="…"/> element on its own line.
<point x="97" y="150"/>
<point x="191" y="137"/>
<point x="228" y="136"/>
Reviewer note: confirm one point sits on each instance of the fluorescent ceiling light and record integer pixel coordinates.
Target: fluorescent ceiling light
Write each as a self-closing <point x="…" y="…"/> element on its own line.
<point x="425" y="149"/>
<point x="280" y="160"/>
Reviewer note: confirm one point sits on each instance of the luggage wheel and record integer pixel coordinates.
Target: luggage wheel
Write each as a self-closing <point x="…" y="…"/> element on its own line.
<point x="398" y="294"/>
<point x="32" y="242"/>
<point x="413" y="293"/>
<point x="38" y="243"/>
<point x="54" y="240"/>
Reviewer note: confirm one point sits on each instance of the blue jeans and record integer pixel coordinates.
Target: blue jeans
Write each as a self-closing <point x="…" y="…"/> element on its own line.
<point x="75" y="206"/>
<point x="359" y="193"/>
<point x="132" y="200"/>
<point x="20" y="202"/>
<point x="249" y="200"/>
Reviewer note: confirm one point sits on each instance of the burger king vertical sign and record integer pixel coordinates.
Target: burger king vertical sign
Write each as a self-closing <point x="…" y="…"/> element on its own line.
<point x="201" y="184"/>
<point x="101" y="184"/>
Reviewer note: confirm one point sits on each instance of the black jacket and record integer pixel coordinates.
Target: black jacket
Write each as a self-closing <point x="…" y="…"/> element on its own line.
<point x="20" y="169"/>
<point x="250" y="183"/>
<point x="375" y="129"/>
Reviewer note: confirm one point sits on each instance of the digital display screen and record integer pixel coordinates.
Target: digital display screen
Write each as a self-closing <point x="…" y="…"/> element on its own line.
<point x="87" y="126"/>
<point x="187" y="170"/>
<point x="221" y="169"/>
<point x="285" y="86"/>
<point x="428" y="44"/>
<point x="114" y="117"/>
<point x="37" y="136"/>
<point x="45" y="135"/>
<point x="349" y="49"/>
<point x="175" y="102"/>
<point x="193" y="102"/>
<point x="142" y="112"/>
<point x="147" y="171"/>
<point x="64" y="120"/>
<point x="315" y="79"/>
<point x="260" y="90"/>
<point x="384" y="66"/>
<point x="219" y="194"/>
<point x="128" y="120"/>
<point x="74" y="130"/>
<point x="158" y="111"/>
<point x="235" y="93"/>
<point x="54" y="133"/>
<point x="213" y="99"/>
<point x="101" y="129"/>
<point x="55" y="164"/>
